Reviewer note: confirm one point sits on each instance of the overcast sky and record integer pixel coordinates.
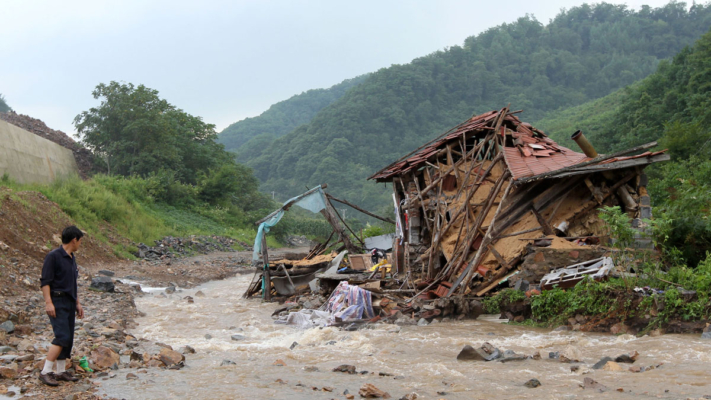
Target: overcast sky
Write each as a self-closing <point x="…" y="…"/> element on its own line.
<point x="224" y="60"/>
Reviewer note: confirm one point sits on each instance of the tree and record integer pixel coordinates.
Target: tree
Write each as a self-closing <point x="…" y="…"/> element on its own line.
<point x="3" y="105"/>
<point x="138" y="133"/>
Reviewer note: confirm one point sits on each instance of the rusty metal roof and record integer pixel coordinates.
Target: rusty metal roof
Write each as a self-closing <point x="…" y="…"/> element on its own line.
<point x="528" y="151"/>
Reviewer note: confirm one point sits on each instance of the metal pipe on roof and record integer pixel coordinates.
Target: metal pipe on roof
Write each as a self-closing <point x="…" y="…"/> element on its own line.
<point x="584" y="144"/>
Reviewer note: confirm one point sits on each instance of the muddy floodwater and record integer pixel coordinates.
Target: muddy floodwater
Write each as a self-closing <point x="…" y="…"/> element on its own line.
<point x="421" y="360"/>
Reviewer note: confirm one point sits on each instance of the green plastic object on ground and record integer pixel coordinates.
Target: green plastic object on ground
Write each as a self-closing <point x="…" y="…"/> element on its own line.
<point x="84" y="364"/>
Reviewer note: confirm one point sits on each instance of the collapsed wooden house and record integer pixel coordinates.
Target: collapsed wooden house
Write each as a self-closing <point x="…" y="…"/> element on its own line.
<point x="474" y="198"/>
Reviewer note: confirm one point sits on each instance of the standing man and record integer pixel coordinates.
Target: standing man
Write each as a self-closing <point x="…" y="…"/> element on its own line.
<point x="59" y="288"/>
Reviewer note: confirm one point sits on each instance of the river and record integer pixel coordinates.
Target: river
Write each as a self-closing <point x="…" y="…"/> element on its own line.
<point x="422" y="360"/>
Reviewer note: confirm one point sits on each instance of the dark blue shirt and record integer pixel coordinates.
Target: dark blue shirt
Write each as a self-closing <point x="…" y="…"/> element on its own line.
<point x="60" y="272"/>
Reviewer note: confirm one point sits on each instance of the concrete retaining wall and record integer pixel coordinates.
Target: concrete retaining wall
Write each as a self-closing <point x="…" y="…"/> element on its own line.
<point x="28" y="158"/>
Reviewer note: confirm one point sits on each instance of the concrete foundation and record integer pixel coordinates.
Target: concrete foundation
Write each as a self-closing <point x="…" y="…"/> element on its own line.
<point x="28" y="158"/>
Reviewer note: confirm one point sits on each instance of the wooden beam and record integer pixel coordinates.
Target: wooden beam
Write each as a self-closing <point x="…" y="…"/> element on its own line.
<point x="468" y="273"/>
<point x="368" y="213"/>
<point x="267" y="292"/>
<point x="330" y="214"/>
<point x="518" y="233"/>
<point x="547" y="229"/>
<point x="597" y="194"/>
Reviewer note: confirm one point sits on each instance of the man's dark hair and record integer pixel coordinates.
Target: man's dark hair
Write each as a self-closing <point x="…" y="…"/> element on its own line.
<point x="70" y="233"/>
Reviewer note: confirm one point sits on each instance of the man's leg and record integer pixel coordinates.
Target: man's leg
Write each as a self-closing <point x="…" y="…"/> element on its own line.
<point x="52" y="355"/>
<point x="62" y="374"/>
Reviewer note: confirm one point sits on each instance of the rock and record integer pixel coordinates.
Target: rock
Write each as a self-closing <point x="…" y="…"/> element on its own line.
<point x="612" y="366"/>
<point x="562" y="328"/>
<point x="553" y="355"/>
<point x="509" y="356"/>
<point x="351" y="369"/>
<point x="636" y="368"/>
<point x="103" y="357"/>
<point x="103" y="284"/>
<point x="619" y="328"/>
<point x="227" y="362"/>
<point x="311" y="369"/>
<point x="136" y="356"/>
<point x="571" y="354"/>
<point x="659" y="332"/>
<point x="519" y="318"/>
<point x="131" y="376"/>
<point x="369" y="391"/>
<point x="199" y="293"/>
<point x="7" y="326"/>
<point x="170" y="357"/>
<point x="602" y="362"/>
<point x="532" y="383"/>
<point x="627" y="358"/>
<point x="71" y="397"/>
<point x="187" y="350"/>
<point x="208" y="336"/>
<point x="26" y="345"/>
<point x="5" y="349"/>
<point x="23" y="329"/>
<point x="240" y="337"/>
<point x="8" y="372"/>
<point x="106" y="272"/>
<point x="589" y="383"/>
<point x="706" y="333"/>
<point x="422" y="322"/>
<point x="486" y="352"/>
<point x="8" y="358"/>
<point x="279" y="363"/>
<point x="170" y="289"/>
<point x="293" y="345"/>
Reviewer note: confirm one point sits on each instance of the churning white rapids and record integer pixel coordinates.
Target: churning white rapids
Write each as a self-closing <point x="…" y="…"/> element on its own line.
<point x="415" y="359"/>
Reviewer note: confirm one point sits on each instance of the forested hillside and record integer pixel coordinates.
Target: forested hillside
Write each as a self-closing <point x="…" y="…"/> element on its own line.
<point x="584" y="53"/>
<point x="673" y="106"/>
<point x="283" y="117"/>
<point x="3" y="105"/>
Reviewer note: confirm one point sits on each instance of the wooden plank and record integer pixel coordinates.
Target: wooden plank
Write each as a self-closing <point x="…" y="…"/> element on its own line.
<point x="330" y="214"/>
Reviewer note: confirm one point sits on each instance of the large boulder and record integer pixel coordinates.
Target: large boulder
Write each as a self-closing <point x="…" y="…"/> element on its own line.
<point x="103" y="284"/>
<point x="103" y="357"/>
<point x="707" y="333"/>
<point x="170" y="357"/>
<point x="486" y="352"/>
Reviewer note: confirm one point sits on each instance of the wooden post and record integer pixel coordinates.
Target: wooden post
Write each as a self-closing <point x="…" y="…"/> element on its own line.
<point x="330" y="214"/>
<point x="267" y="292"/>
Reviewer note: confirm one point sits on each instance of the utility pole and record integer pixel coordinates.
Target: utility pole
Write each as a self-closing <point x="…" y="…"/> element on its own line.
<point x="273" y="195"/>
<point x="344" y="213"/>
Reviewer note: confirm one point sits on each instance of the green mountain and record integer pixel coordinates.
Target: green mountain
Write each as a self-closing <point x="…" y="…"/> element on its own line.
<point x="584" y="53"/>
<point x="3" y="104"/>
<point x="673" y="106"/>
<point x="283" y="117"/>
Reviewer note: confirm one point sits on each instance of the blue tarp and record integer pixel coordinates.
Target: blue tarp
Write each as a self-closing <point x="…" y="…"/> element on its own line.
<point x="314" y="202"/>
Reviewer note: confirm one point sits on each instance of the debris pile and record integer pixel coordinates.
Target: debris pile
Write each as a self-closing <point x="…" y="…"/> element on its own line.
<point x="83" y="157"/>
<point x="173" y="247"/>
<point x="477" y="201"/>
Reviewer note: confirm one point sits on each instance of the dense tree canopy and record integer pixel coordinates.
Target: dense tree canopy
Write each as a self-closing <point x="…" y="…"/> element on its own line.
<point x="3" y="104"/>
<point x="673" y="106"/>
<point x="584" y="53"/>
<point x="139" y="134"/>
